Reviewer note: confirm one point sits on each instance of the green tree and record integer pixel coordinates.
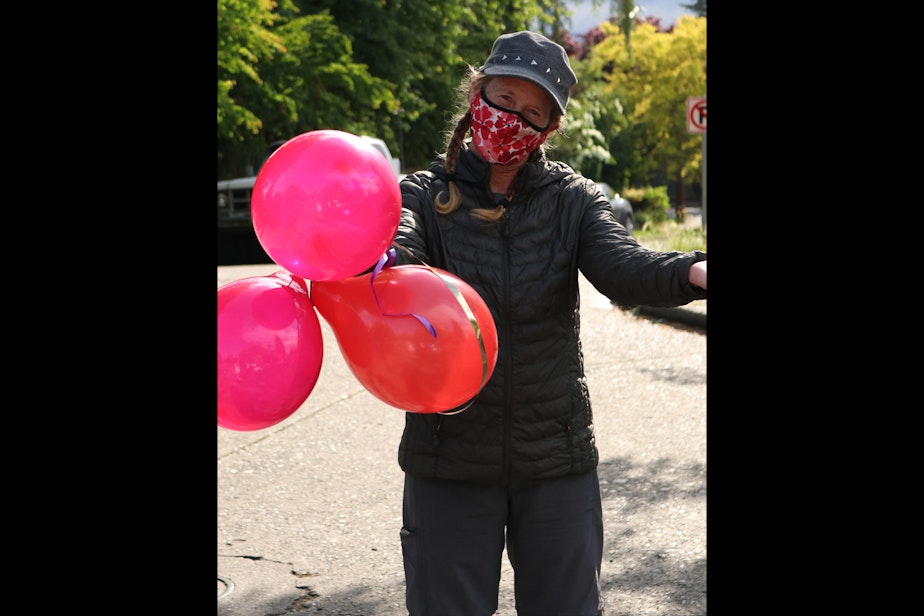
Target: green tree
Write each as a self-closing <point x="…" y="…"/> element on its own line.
<point x="593" y="115"/>
<point x="626" y="10"/>
<point x="583" y="146"/>
<point x="698" y="7"/>
<point x="245" y="38"/>
<point x="419" y="47"/>
<point x="317" y="83"/>
<point x="652" y="85"/>
<point x="281" y="74"/>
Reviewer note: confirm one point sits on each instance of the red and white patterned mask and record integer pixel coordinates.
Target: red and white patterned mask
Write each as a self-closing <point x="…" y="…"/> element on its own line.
<point x="502" y="136"/>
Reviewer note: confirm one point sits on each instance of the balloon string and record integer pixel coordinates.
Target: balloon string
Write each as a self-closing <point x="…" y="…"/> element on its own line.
<point x="378" y="268"/>
<point x="468" y="312"/>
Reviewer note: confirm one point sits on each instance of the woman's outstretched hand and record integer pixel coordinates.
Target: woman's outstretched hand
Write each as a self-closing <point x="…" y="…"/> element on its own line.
<point x="698" y="274"/>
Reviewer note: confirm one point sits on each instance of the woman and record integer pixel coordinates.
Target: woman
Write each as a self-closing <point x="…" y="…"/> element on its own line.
<point x="519" y="464"/>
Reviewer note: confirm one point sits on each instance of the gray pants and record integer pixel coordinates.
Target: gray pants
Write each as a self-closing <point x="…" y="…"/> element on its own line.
<point x="453" y="539"/>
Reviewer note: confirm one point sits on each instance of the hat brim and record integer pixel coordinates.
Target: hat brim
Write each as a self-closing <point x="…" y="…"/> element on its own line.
<point x="524" y="73"/>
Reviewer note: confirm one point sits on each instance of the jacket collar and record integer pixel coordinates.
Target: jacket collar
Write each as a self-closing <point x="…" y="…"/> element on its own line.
<point x="472" y="169"/>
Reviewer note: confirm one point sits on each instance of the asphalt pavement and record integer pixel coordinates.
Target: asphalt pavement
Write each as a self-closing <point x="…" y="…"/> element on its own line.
<point x="309" y="509"/>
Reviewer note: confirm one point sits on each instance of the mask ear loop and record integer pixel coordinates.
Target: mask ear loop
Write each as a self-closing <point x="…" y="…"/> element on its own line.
<point x="465" y="308"/>
<point x="490" y="103"/>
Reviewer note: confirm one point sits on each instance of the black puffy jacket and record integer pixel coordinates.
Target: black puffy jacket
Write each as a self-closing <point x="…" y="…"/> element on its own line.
<point x="533" y="418"/>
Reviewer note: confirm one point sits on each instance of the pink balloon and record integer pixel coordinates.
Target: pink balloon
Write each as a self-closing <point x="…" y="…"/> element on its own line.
<point x="269" y="350"/>
<point x="326" y="205"/>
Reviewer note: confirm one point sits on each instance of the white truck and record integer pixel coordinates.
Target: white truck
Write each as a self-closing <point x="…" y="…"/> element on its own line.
<point x="382" y="147"/>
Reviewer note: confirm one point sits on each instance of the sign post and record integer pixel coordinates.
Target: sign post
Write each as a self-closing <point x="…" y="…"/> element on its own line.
<point x="696" y="125"/>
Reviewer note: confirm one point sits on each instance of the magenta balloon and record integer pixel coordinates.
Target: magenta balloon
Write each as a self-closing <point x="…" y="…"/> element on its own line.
<point x="326" y="205"/>
<point x="269" y="350"/>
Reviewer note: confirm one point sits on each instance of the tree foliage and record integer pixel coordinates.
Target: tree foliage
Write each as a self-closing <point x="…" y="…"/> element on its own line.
<point x="245" y="39"/>
<point x="281" y="73"/>
<point x="651" y="85"/>
<point x="698" y="7"/>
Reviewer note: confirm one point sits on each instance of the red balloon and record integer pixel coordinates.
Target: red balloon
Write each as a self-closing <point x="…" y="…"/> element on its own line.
<point x="325" y="205"/>
<point x="385" y="328"/>
<point x="269" y="350"/>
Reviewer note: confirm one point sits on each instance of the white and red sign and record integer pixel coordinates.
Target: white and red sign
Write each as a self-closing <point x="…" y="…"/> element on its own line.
<point x="696" y="115"/>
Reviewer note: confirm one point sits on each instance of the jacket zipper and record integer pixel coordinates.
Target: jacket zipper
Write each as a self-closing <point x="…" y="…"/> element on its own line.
<point x="508" y="367"/>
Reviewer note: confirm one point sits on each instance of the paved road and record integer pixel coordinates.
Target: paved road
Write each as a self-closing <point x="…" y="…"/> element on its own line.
<point x="309" y="509"/>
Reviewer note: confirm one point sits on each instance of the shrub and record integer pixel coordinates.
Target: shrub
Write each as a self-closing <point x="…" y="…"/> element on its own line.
<point x="650" y="204"/>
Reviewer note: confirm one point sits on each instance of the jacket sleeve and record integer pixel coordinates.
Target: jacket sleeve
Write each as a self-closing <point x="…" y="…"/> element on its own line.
<point x="416" y="227"/>
<point x="626" y="272"/>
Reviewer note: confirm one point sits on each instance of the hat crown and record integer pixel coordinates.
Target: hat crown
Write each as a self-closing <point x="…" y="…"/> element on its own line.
<point x="531" y="56"/>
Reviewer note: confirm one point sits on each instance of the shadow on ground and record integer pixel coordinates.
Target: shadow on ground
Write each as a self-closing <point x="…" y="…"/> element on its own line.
<point x="658" y="563"/>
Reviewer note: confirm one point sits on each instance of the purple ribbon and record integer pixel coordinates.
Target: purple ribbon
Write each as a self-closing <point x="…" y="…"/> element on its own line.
<point x="378" y="268"/>
<point x="385" y="258"/>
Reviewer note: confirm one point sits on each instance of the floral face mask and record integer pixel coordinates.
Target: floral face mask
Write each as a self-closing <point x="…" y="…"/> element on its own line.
<point x="502" y="136"/>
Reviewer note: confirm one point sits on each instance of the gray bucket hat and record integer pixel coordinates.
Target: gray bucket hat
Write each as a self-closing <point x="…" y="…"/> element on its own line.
<point x="533" y="57"/>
